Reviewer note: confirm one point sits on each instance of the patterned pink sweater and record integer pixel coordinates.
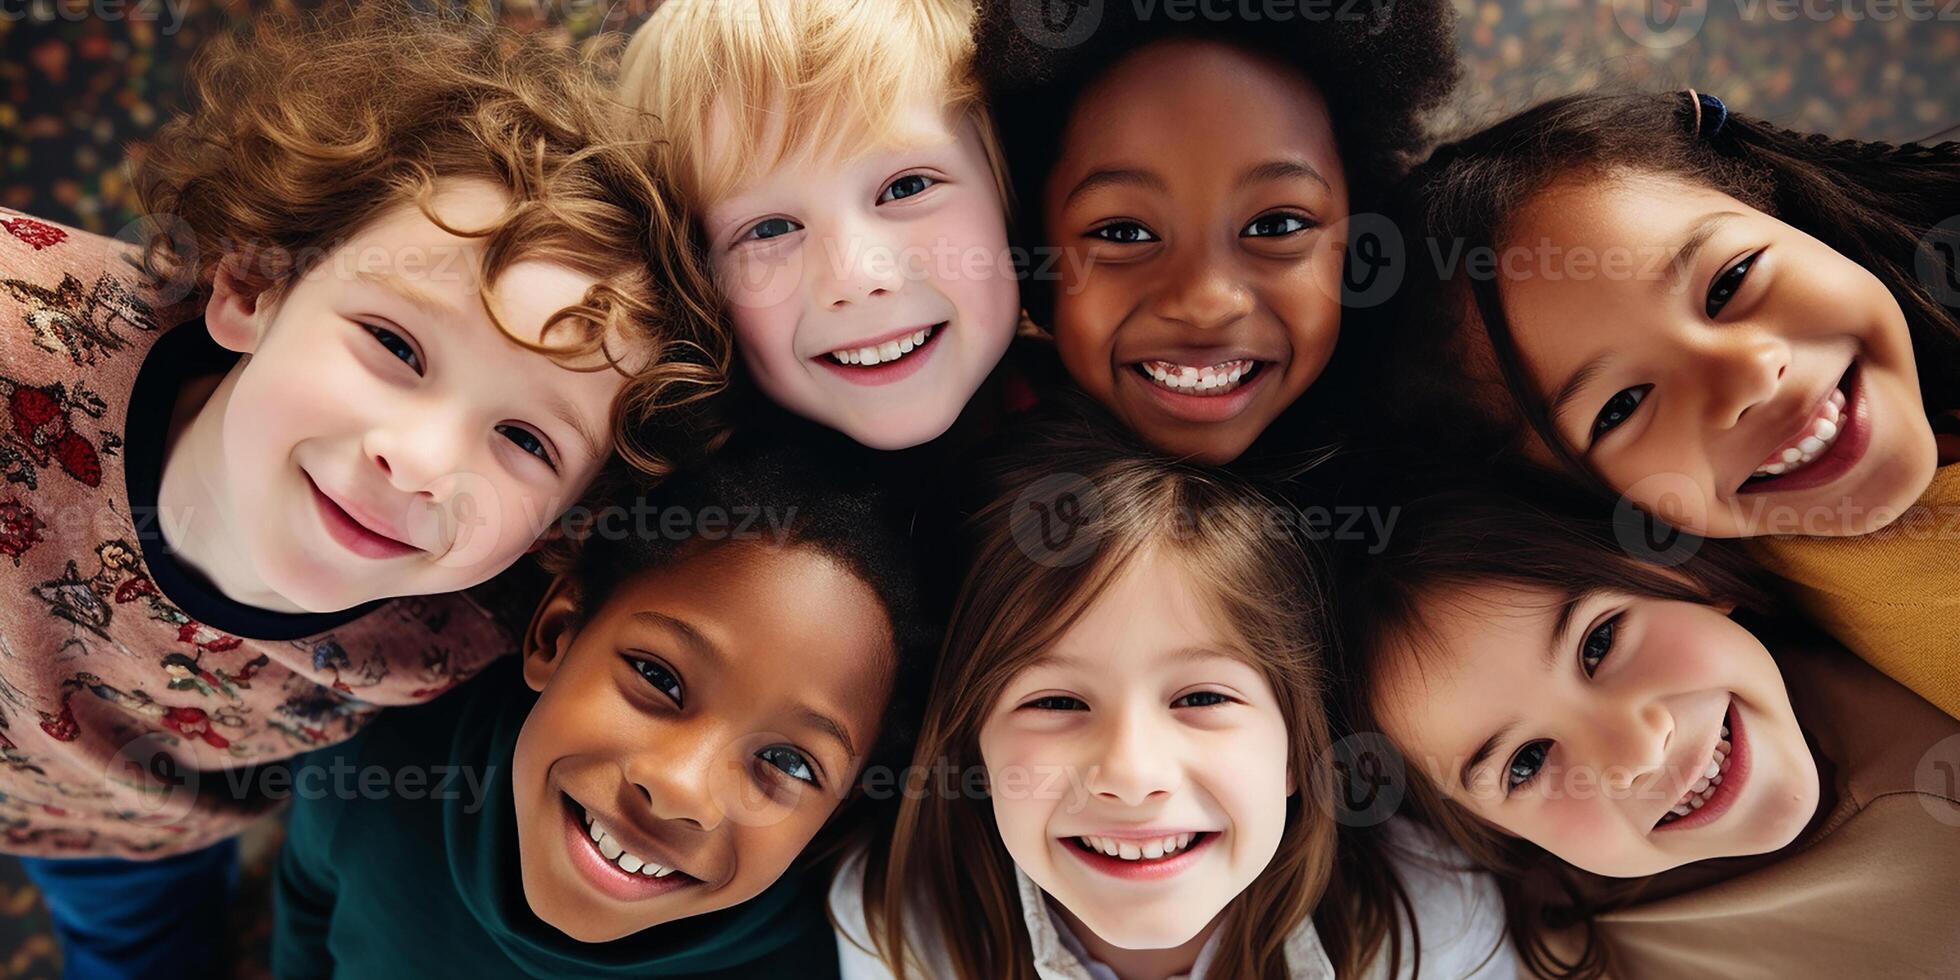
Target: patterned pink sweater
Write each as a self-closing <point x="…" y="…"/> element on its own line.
<point x="128" y="728"/>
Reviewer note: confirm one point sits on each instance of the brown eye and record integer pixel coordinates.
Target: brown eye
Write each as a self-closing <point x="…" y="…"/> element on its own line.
<point x="1597" y="645"/>
<point x="1728" y="284"/>
<point x="1618" y="409"/>
<point x="1525" y="765"/>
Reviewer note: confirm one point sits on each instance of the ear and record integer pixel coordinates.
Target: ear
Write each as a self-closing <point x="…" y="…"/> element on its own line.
<point x="553" y="628"/>
<point x="240" y="307"/>
<point x="1292" y="784"/>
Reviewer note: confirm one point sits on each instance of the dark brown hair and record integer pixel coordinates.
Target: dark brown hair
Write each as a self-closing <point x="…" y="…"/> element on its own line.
<point x="1522" y="529"/>
<point x="302" y="130"/>
<point x="944" y="871"/>
<point x="1877" y="204"/>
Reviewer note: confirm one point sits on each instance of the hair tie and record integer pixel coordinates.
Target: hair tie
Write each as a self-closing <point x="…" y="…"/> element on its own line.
<point x="1710" y="115"/>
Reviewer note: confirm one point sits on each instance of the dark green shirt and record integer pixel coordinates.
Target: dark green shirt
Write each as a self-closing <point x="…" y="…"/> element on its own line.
<point x="421" y="878"/>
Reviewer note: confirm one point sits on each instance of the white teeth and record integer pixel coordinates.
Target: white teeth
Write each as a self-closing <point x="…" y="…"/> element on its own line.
<point x="618" y="854"/>
<point x="1823" y="432"/>
<point x="1209" y="379"/>
<point x="885" y="353"/>
<point x="1138" y="850"/>
<point x="628" y="862"/>
<point x="610" y="848"/>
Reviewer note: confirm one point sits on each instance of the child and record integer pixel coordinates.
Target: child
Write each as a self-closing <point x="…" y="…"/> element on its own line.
<point x="1120" y="773"/>
<point x="844" y="170"/>
<point x="1723" y="322"/>
<point x="1659" y="792"/>
<point x="1186" y="186"/>
<point x="707" y="691"/>
<point x="426" y="276"/>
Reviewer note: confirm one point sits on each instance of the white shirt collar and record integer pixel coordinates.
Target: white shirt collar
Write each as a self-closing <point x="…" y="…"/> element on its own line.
<point x="1058" y="955"/>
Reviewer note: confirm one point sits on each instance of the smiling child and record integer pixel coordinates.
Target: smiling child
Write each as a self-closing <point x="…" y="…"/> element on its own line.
<point x="692" y="710"/>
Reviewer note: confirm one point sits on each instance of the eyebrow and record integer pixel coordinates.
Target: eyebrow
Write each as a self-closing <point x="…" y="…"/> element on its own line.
<point x="1568" y="393"/>
<point x="689" y="637"/>
<point x="428" y="304"/>
<point x="1283" y="170"/>
<point x="1113" y="177"/>
<point x="562" y="410"/>
<point x="831" y="727"/>
<point x="1691" y="246"/>
<point x="1561" y="621"/>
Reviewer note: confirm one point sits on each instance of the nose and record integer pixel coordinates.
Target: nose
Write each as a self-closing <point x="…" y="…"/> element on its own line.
<point x="677" y="781"/>
<point x="1635" y="747"/>
<point x="416" y="448"/>
<point x="1741" y="371"/>
<point x="1203" y="289"/>
<point x="862" y="265"/>
<point x="1137" y="762"/>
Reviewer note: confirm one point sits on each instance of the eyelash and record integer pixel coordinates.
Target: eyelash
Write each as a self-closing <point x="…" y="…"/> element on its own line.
<point x="1062" y="702"/>
<point x="1727" y="283"/>
<point x="404" y="351"/>
<point x="1618" y="409"/>
<point x="1103" y="232"/>
<point x="655" y="671"/>
<point x="1305" y="223"/>
<point x="886" y="196"/>
<point x="1607" y="631"/>
<point x="795" y="758"/>
<point x="754" y="231"/>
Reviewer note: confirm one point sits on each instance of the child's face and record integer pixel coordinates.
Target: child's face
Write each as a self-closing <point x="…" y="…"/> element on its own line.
<point x="872" y="292"/>
<point x="1582" y="730"/>
<point x="1736" y="376"/>
<point x="382" y="438"/>
<point x="1203" y="206"/>
<point x="706" y="721"/>
<point x="1145" y="732"/>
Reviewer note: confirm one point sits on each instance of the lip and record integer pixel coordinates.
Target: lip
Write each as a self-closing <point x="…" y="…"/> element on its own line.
<point x="1854" y="438"/>
<point x="361" y="533"/>
<point x="1145" y="870"/>
<point x="1203" y="408"/>
<point x="890" y="371"/>
<point x="605" y="876"/>
<point x="1732" y="781"/>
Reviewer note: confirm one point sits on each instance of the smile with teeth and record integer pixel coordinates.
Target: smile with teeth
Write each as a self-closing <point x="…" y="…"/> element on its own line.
<point x="885" y="353"/>
<point x="1150" y="849"/>
<point x="1211" y="379"/>
<point x="1819" y="437"/>
<point x="619" y="855"/>
<point x="1704" y="787"/>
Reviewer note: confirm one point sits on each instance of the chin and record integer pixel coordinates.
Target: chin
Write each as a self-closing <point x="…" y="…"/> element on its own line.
<point x="1140" y="929"/>
<point x="889" y="438"/>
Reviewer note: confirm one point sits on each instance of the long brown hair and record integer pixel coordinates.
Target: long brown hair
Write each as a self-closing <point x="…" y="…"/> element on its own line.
<point x="1519" y="528"/>
<point x="1882" y="206"/>
<point x="945" y="872"/>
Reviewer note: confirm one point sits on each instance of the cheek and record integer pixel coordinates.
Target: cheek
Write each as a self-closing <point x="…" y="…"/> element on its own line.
<point x="1307" y="304"/>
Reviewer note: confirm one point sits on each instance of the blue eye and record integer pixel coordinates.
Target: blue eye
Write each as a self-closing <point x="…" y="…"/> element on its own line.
<point x="395" y="345"/>
<point x="1200" y="699"/>
<point x="528" y="441"/>
<point x="1275" y="225"/>
<point x="1618" y="409"/>
<point x="792" y="763"/>
<point x="905" y="187"/>
<point x="769" y="228"/>
<point x="1525" y="765"/>
<point x="1123" y="233"/>
<point x="1057" y="702"/>
<point x="1597" y="645"/>
<point x="662" y="679"/>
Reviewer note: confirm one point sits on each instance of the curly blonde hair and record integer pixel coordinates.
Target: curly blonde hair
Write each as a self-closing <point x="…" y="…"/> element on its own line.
<point x="301" y="130"/>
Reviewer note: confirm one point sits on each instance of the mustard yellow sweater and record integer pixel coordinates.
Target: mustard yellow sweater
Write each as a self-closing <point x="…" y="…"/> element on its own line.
<point x="1892" y="596"/>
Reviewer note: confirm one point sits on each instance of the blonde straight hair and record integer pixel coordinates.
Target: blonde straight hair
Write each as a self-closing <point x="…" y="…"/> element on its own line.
<point x="833" y="73"/>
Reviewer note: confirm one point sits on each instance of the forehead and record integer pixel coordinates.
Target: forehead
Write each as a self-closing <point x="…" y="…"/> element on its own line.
<point x="791" y="625"/>
<point x="1152" y="607"/>
<point x="1463" y="659"/>
<point x="1618" y="208"/>
<point x="1165" y="98"/>
<point x="746" y="150"/>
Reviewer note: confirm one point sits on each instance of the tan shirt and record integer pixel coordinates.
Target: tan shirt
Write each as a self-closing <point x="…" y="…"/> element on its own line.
<point x="1872" y="887"/>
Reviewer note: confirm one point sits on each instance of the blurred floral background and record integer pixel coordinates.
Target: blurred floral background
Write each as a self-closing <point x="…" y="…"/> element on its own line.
<point x="80" y="80"/>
